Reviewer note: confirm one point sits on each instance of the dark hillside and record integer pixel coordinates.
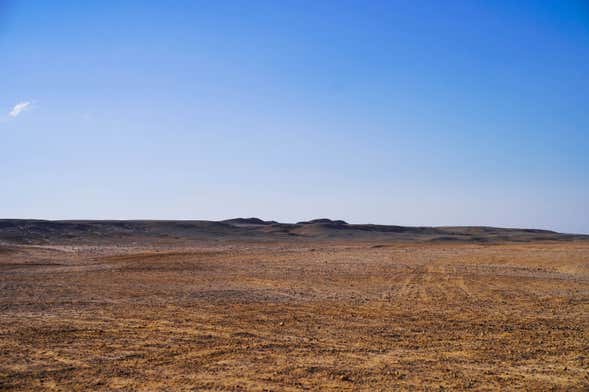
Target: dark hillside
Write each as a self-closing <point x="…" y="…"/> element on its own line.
<point x="31" y="231"/>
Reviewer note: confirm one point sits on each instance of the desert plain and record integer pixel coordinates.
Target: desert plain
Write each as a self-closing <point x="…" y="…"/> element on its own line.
<point x="314" y="307"/>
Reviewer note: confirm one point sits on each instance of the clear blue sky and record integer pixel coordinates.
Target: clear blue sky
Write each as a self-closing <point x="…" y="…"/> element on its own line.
<point x="394" y="112"/>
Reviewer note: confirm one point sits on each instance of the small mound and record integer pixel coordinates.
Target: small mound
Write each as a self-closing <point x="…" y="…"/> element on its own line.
<point x="323" y="221"/>
<point x="248" y="221"/>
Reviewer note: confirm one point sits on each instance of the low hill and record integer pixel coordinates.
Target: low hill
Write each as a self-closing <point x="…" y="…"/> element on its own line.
<point x="31" y="231"/>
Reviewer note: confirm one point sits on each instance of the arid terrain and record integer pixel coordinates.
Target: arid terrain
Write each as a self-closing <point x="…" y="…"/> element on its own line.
<point x="246" y="305"/>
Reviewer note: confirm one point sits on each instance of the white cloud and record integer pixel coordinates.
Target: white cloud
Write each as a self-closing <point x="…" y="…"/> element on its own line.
<point x="19" y="108"/>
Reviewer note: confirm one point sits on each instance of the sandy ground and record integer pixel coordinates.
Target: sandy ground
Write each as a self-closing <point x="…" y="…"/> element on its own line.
<point x="282" y="317"/>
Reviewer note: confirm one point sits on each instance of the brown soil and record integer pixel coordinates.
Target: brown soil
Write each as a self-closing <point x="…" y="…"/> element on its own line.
<point x="295" y="316"/>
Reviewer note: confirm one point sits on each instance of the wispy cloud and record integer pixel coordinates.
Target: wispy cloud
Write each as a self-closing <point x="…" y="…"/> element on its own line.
<point x="19" y="108"/>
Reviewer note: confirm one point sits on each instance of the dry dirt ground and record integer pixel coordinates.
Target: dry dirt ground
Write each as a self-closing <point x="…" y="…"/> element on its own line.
<point x="286" y="317"/>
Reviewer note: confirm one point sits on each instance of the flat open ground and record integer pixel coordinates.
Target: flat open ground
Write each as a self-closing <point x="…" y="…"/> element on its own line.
<point x="295" y="316"/>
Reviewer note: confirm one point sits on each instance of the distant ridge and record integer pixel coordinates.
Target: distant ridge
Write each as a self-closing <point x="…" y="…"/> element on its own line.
<point x="249" y="221"/>
<point x="34" y="231"/>
<point x="323" y="220"/>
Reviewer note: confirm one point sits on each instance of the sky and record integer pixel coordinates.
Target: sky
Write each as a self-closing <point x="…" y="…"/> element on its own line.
<point x="393" y="112"/>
